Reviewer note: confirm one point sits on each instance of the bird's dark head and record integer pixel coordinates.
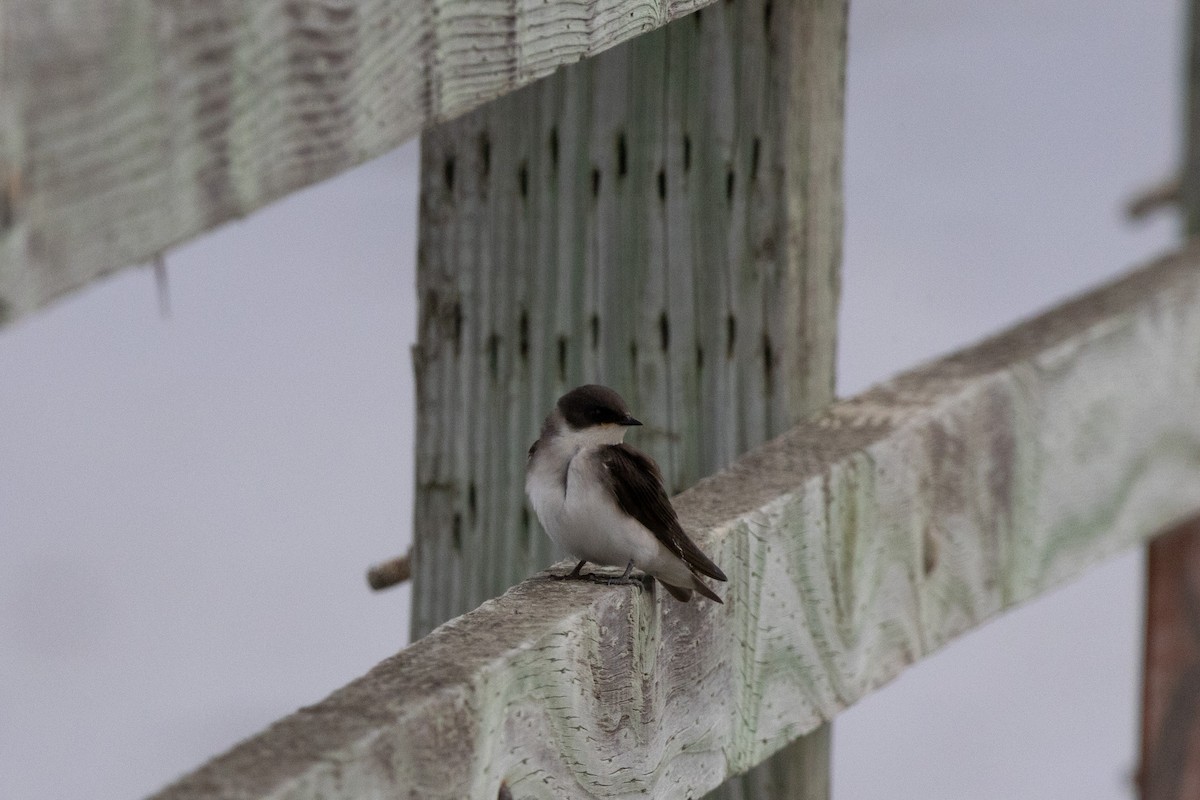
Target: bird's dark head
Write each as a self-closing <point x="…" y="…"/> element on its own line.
<point x="591" y="406"/>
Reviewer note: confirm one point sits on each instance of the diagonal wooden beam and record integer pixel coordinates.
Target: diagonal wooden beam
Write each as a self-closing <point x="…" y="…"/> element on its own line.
<point x="129" y="126"/>
<point x="855" y="544"/>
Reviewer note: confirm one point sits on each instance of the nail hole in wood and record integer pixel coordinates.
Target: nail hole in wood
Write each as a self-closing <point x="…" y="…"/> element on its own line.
<point x="526" y="531"/>
<point x="562" y="359"/>
<point x="768" y="362"/>
<point x="485" y="153"/>
<point x="664" y="331"/>
<point x="622" y="155"/>
<point x="7" y="212"/>
<point x="471" y="500"/>
<point x="767" y="16"/>
<point x="458" y="327"/>
<point x="448" y="173"/>
<point x="523" y="178"/>
<point x="699" y="358"/>
<point x="523" y="340"/>
<point x="729" y="185"/>
<point x="730" y="335"/>
<point x="493" y="347"/>
<point x="633" y="354"/>
<point x="554" y="148"/>
<point x="595" y="331"/>
<point x="595" y="182"/>
<point x="930" y="555"/>
<point x="456" y="533"/>
<point x="754" y="154"/>
<point x="662" y="185"/>
<point x="687" y="149"/>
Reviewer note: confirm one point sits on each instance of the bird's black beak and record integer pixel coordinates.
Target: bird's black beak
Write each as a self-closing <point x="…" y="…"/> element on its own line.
<point x="630" y="421"/>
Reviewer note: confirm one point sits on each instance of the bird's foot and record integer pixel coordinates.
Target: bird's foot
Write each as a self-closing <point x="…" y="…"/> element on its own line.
<point x="575" y="574"/>
<point x="624" y="579"/>
<point x="640" y="581"/>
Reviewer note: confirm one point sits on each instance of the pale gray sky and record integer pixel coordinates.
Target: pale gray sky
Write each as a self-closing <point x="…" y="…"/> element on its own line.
<point x="187" y="505"/>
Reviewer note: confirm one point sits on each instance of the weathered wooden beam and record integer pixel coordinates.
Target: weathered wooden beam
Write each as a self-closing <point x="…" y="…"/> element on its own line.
<point x="856" y="544"/>
<point x="129" y="126"/>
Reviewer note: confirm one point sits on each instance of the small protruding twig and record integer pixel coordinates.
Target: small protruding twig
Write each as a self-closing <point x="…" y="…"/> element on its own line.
<point x="388" y="573"/>
<point x="1153" y="198"/>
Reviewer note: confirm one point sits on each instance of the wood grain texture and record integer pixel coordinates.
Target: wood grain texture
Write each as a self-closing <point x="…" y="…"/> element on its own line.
<point x="641" y="220"/>
<point x="129" y="126"/>
<point x="856" y="544"/>
<point x="665" y="219"/>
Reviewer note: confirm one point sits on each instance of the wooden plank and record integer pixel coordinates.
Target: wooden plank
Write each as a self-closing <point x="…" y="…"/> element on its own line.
<point x="129" y="126"/>
<point x="1170" y="767"/>
<point x="856" y="544"/>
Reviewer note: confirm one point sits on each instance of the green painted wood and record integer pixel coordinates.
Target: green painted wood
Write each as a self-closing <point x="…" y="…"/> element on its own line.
<point x="856" y="544"/>
<point x="800" y="771"/>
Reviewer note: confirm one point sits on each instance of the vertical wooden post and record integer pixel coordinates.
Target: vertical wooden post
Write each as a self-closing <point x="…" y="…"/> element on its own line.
<point x="1190" y="179"/>
<point x="664" y="218"/>
<point x="1170" y="751"/>
<point x="1170" y="756"/>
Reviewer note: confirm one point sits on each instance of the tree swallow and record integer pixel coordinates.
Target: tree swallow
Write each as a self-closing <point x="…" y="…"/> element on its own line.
<point x="603" y="501"/>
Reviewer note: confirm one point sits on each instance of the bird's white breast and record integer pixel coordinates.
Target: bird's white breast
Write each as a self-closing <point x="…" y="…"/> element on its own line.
<point x="574" y="506"/>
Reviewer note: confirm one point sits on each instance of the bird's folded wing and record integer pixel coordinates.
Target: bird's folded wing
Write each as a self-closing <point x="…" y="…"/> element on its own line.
<point x="637" y="484"/>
